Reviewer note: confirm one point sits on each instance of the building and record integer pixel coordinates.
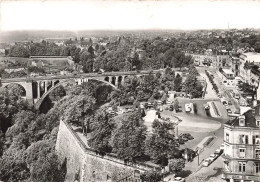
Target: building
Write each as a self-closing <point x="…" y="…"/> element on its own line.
<point x="235" y="65"/>
<point x="228" y="73"/>
<point x="241" y="158"/>
<point x="249" y="68"/>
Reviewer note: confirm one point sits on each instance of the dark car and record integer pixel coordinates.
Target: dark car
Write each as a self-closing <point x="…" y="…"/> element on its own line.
<point x="181" y="141"/>
<point x="188" y="136"/>
<point x="171" y="108"/>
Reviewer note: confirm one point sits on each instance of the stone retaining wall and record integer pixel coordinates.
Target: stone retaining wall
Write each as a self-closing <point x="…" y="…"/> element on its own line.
<point x="89" y="166"/>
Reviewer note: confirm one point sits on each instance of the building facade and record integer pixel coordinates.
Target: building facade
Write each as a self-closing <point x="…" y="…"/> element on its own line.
<point x="241" y="158"/>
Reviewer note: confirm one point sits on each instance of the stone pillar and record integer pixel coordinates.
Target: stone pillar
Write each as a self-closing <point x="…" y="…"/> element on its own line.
<point x="38" y="90"/>
<point x="116" y="81"/>
<point x="52" y="83"/>
<point x="231" y="180"/>
<point x="123" y="80"/>
<point x="110" y="79"/>
<point x="45" y="86"/>
<point x="29" y="92"/>
<point x="242" y="180"/>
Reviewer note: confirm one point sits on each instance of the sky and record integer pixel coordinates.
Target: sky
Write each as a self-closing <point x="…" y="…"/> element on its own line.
<point x="128" y="15"/>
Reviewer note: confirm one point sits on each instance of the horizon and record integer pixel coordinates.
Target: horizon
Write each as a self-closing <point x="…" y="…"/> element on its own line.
<point x="128" y="15"/>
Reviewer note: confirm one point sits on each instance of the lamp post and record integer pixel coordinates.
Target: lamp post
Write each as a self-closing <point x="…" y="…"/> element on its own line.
<point x="198" y="157"/>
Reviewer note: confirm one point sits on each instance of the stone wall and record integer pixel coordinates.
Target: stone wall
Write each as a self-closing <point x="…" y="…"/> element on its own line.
<point x="87" y="164"/>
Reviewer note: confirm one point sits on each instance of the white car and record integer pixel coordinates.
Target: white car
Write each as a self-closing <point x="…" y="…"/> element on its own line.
<point x="207" y="162"/>
<point x="178" y="179"/>
<point x="222" y="146"/>
<point x="213" y="156"/>
<point x="187" y="108"/>
<point x="218" y="152"/>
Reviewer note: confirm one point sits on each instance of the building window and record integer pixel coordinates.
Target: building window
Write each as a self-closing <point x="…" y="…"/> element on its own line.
<point x="256" y="139"/>
<point x="257" y="167"/>
<point x="242" y="166"/>
<point x="242" y="153"/>
<point x="257" y="154"/>
<point x="243" y="139"/>
<point x="227" y="137"/>
<point x="257" y="122"/>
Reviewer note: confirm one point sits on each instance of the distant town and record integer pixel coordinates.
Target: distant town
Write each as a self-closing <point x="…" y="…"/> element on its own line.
<point x="137" y="106"/>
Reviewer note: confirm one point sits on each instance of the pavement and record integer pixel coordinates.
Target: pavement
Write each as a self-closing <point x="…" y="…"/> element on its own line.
<point x="201" y="127"/>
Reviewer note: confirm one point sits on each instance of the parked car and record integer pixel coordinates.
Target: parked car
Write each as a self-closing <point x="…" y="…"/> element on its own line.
<point x="188" y="136"/>
<point x="171" y="108"/>
<point x="229" y="111"/>
<point x="178" y="179"/>
<point x="218" y="152"/>
<point x="237" y="96"/>
<point x="225" y="103"/>
<point x="187" y="107"/>
<point x="222" y="147"/>
<point x="213" y="156"/>
<point x="181" y="141"/>
<point x="207" y="162"/>
<point x="206" y="107"/>
<point x="183" y="138"/>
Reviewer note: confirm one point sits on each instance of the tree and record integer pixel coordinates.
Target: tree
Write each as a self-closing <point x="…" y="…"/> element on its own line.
<point x="176" y="165"/>
<point x="86" y="61"/>
<point x="176" y="105"/>
<point x="151" y="176"/>
<point x="193" y="86"/>
<point x="129" y="139"/>
<point x="43" y="163"/>
<point x="102" y="126"/>
<point x="178" y="83"/>
<point x="159" y="145"/>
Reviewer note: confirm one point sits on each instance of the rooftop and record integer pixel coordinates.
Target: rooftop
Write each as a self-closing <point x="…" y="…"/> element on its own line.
<point x="252" y="57"/>
<point x="250" y="120"/>
<point x="228" y="71"/>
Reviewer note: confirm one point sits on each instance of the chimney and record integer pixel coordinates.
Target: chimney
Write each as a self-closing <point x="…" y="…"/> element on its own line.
<point x="242" y="120"/>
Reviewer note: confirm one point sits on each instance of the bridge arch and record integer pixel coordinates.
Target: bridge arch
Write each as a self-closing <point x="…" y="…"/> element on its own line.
<point x="23" y="89"/>
<point x="60" y="82"/>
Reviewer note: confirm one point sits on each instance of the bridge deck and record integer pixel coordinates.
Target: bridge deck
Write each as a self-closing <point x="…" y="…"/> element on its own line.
<point x="82" y="75"/>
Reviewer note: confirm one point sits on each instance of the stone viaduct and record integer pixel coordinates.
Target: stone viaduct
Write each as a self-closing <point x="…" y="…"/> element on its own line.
<point x="37" y="88"/>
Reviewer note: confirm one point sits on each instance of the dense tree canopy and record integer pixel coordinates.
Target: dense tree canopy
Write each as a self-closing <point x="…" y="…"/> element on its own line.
<point x="128" y="141"/>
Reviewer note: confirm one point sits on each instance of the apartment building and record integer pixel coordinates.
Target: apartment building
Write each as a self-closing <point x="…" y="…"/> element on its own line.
<point x="247" y="60"/>
<point x="241" y="158"/>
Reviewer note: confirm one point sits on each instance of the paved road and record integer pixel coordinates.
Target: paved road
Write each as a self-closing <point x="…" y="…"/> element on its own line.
<point x="192" y="171"/>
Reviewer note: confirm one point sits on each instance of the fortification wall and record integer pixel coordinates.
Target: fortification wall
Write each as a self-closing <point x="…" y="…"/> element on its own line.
<point x="89" y="165"/>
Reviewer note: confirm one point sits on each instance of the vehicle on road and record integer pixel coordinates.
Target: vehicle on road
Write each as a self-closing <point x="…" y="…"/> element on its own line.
<point x="222" y="147"/>
<point x="188" y="107"/>
<point x="207" y="162"/>
<point x="218" y="152"/>
<point x="171" y="108"/>
<point x="187" y="136"/>
<point x="178" y="179"/>
<point x="206" y="106"/>
<point x="237" y="96"/>
<point x="213" y="156"/>
<point x="229" y="111"/>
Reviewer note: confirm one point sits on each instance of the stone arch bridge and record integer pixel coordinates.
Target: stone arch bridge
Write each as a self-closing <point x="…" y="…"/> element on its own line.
<point x="37" y="88"/>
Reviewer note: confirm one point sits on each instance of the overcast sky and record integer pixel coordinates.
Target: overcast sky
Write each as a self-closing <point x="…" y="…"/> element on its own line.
<point x="125" y="15"/>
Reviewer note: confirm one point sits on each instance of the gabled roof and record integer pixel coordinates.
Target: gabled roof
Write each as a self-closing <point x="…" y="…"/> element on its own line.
<point x="250" y="120"/>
